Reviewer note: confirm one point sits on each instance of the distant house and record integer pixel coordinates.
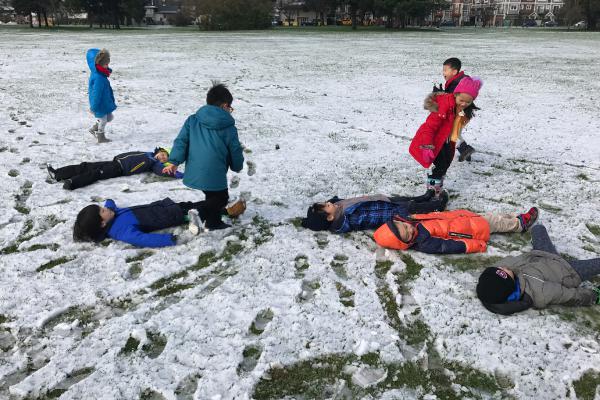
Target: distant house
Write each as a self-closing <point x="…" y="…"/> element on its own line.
<point x="161" y="12"/>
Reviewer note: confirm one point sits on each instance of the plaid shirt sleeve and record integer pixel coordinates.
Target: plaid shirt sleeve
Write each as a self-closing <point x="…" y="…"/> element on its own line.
<point x="369" y="215"/>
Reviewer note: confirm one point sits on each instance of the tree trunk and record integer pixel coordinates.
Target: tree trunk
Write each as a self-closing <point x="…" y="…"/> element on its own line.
<point x="39" y="18"/>
<point x="30" y="20"/>
<point x="45" y="18"/>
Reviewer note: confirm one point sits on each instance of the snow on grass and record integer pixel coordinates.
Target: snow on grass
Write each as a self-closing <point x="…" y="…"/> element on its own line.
<point x="267" y="309"/>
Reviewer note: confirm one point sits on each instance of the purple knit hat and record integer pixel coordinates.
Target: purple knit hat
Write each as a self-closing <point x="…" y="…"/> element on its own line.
<point x="470" y="86"/>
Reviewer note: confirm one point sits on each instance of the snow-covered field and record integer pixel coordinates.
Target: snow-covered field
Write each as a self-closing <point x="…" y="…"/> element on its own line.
<point x="267" y="309"/>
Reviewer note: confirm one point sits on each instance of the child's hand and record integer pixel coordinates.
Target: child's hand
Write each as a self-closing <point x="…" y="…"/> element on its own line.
<point x="170" y="169"/>
<point x="427" y="154"/>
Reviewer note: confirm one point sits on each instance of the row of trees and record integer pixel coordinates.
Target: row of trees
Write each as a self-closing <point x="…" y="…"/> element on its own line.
<point x="578" y="10"/>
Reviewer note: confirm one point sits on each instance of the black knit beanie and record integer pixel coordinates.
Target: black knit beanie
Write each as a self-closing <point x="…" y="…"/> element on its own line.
<point x="494" y="286"/>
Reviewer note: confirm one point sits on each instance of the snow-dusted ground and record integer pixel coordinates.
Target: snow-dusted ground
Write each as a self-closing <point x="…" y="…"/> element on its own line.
<point x="114" y="322"/>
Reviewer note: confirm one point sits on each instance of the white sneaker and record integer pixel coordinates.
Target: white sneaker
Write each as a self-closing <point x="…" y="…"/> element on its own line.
<point x="195" y="225"/>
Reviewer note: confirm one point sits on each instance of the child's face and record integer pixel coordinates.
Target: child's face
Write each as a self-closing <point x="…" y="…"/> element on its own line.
<point x="463" y="101"/>
<point x="406" y="231"/>
<point x="508" y="272"/>
<point x="162" y="156"/>
<point x="107" y="215"/>
<point x="448" y="72"/>
<point x="330" y="209"/>
<point x="227" y="107"/>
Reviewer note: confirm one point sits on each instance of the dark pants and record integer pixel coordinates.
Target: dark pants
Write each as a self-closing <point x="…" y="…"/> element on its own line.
<point x="211" y="209"/>
<point x="87" y="173"/>
<point x="421" y="204"/>
<point x="586" y="269"/>
<point x="442" y="161"/>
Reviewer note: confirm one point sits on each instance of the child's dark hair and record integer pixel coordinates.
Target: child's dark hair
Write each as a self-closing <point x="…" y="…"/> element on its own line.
<point x="453" y="63"/>
<point x="470" y="111"/>
<point x="159" y="149"/>
<point x="316" y="218"/>
<point x="88" y="224"/>
<point x="219" y="95"/>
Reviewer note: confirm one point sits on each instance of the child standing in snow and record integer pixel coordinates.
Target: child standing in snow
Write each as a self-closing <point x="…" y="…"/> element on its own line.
<point x="450" y="232"/>
<point x="366" y="212"/>
<point x="100" y="94"/>
<point x="125" y="164"/>
<point x="537" y="279"/>
<point x="453" y="75"/>
<point x="208" y="144"/>
<point x="435" y="140"/>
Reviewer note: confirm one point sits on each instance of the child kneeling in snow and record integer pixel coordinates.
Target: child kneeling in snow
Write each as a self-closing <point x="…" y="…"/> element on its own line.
<point x="366" y="212"/>
<point x="133" y="224"/>
<point x="131" y="163"/>
<point x="450" y="232"/>
<point x="537" y="279"/>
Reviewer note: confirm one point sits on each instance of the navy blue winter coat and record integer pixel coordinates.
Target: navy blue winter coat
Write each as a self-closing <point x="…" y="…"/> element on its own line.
<point x="100" y="94"/>
<point x="132" y="224"/>
<point x="208" y="143"/>
<point x="136" y="162"/>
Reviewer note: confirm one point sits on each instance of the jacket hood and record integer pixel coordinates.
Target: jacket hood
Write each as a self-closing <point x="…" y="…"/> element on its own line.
<point x="90" y="57"/>
<point x="433" y="100"/>
<point x="214" y="117"/>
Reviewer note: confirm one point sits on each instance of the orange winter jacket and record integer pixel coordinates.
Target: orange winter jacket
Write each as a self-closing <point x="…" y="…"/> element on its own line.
<point x="446" y="232"/>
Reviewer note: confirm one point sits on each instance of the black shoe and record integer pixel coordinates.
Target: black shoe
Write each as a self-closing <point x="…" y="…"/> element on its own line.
<point x="51" y="173"/>
<point x="217" y="227"/>
<point x="465" y="151"/>
<point x="68" y="185"/>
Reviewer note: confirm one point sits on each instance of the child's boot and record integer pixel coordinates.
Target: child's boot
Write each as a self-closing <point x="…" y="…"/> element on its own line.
<point x="195" y="225"/>
<point x="465" y="151"/>
<point x="94" y="129"/>
<point x="236" y="208"/>
<point x="51" y="173"/>
<point x="436" y="186"/>
<point x="528" y="219"/>
<point x="101" y="137"/>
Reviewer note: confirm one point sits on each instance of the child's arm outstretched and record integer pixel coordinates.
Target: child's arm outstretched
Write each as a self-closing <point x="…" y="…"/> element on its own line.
<point x="434" y="245"/>
<point x="180" y="148"/>
<point x="160" y="169"/>
<point x="138" y="238"/>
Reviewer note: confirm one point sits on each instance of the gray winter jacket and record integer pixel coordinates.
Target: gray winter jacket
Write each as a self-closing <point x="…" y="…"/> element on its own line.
<point x="548" y="279"/>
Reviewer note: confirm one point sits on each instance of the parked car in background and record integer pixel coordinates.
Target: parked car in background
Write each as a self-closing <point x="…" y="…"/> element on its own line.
<point x="580" y="25"/>
<point x="528" y="23"/>
<point x="550" y="24"/>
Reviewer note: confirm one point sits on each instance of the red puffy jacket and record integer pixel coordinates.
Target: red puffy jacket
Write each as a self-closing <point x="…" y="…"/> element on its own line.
<point x="436" y="128"/>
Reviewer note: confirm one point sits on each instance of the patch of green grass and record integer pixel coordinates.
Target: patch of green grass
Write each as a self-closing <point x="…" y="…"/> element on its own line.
<point x="583" y="177"/>
<point x="264" y="230"/>
<point x="53" y="263"/>
<point x="322" y="240"/>
<point x="135" y="270"/>
<point x="586" y="386"/>
<point x="49" y="246"/>
<point x="3" y="319"/>
<point x="550" y="207"/>
<point x="162" y="282"/>
<point x="131" y="345"/>
<point x="416" y="332"/>
<point x="297" y="222"/>
<point x="595" y="229"/>
<point x="204" y="260"/>
<point x="483" y="173"/>
<point x="413" y="268"/>
<point x="13" y="173"/>
<point x="139" y="257"/>
<point x="231" y="249"/>
<point x="470" y="262"/>
<point x="338" y="265"/>
<point x="261" y="321"/>
<point x="346" y="295"/>
<point x="301" y="264"/>
<point x="174" y="288"/>
<point x="156" y="344"/>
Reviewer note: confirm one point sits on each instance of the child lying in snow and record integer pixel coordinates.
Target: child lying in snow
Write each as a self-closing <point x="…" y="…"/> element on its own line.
<point x="366" y="212"/>
<point x="132" y="224"/>
<point x="537" y="279"/>
<point x="458" y="231"/>
<point x="133" y="162"/>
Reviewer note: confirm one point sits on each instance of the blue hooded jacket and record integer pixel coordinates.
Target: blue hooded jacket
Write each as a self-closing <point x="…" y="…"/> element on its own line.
<point x="100" y="94"/>
<point x="136" y="162"/>
<point x="208" y="143"/>
<point x="132" y="224"/>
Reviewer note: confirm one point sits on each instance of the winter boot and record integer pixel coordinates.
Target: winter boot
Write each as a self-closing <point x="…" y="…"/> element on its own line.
<point x="195" y="225"/>
<point x="219" y="226"/>
<point x="236" y="208"/>
<point x="528" y="219"/>
<point x="465" y="151"/>
<point x="68" y="185"/>
<point x="435" y="185"/>
<point x="101" y="137"/>
<point x="94" y="129"/>
<point x="51" y="173"/>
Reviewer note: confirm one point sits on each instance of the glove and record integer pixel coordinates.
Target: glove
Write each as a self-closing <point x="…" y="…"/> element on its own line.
<point x="428" y="155"/>
<point x="437" y="88"/>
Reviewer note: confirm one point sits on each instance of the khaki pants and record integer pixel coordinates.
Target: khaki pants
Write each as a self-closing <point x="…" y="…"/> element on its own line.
<point x="503" y="222"/>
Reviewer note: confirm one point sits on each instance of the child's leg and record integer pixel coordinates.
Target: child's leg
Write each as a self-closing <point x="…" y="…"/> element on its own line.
<point x="212" y="206"/>
<point x="586" y="269"/>
<point x="503" y="222"/>
<point x="541" y="240"/>
<point x="441" y="163"/>
<point x="432" y="205"/>
<point x="70" y="171"/>
<point x="103" y="170"/>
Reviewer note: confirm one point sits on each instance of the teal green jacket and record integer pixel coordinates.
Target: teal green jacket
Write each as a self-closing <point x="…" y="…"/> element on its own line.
<point x="208" y="144"/>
